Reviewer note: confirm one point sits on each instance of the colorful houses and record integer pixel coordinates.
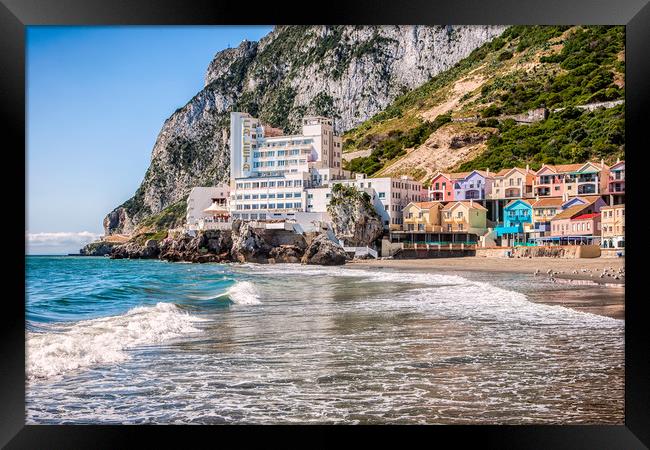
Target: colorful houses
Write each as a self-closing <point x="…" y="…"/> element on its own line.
<point x="517" y="219"/>
<point x="474" y="185"/>
<point x="442" y="188"/>
<point x="613" y="226"/>
<point x="544" y="209"/>
<point x="467" y="216"/>
<point x="616" y="185"/>
<point x="423" y="216"/>
<point x="512" y="183"/>
<point x="571" y="179"/>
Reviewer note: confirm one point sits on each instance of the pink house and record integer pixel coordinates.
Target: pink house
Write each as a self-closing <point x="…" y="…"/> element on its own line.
<point x="571" y="179"/>
<point x="442" y="188"/>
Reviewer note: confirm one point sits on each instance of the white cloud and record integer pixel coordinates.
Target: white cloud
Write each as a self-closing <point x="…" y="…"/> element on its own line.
<point x="60" y="242"/>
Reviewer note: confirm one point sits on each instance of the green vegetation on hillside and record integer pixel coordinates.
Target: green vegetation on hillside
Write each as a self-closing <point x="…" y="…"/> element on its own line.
<point x="395" y="145"/>
<point x="568" y="136"/>
<point x="582" y="72"/>
<point x="524" y="68"/>
<point x="171" y="217"/>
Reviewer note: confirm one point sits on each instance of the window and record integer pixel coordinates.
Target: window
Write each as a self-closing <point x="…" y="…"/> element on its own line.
<point x="382" y="195"/>
<point x="280" y="195"/>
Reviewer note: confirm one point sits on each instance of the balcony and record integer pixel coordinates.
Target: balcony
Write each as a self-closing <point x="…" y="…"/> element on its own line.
<point x="588" y="188"/>
<point x="513" y="193"/>
<point x="617" y="187"/>
<point x="473" y="194"/>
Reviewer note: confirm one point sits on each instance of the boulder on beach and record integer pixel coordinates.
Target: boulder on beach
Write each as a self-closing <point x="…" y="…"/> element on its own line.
<point x="323" y="251"/>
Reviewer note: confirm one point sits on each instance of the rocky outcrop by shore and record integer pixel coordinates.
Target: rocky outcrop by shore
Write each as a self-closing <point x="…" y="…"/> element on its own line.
<point x="354" y="219"/>
<point x="323" y="251"/>
<point x="99" y="248"/>
<point x="243" y="243"/>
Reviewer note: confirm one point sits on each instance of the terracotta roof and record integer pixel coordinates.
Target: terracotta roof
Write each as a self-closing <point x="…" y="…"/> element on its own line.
<point x="562" y="168"/>
<point x="568" y="167"/>
<point x="569" y="212"/>
<point x="474" y="205"/>
<point x="458" y="175"/>
<point x="426" y="205"/>
<point x="446" y="175"/>
<point x="586" y="216"/>
<point x="621" y="205"/>
<point x="548" y="202"/>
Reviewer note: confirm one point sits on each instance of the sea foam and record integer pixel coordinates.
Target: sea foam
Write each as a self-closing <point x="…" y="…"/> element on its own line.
<point x="244" y="293"/>
<point x="65" y="348"/>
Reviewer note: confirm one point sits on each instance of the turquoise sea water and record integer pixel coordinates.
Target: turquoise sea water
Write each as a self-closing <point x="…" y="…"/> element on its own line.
<point x="120" y="341"/>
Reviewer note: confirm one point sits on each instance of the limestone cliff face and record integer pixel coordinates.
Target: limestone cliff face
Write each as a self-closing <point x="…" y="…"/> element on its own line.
<point x="349" y="73"/>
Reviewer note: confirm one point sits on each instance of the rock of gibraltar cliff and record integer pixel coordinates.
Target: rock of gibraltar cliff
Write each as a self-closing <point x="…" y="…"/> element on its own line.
<point x="349" y="73"/>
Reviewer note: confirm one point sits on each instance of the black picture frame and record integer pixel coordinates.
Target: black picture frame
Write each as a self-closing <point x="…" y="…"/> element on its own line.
<point x="15" y="15"/>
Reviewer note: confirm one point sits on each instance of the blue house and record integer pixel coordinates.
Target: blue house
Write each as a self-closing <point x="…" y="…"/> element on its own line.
<point x="516" y="214"/>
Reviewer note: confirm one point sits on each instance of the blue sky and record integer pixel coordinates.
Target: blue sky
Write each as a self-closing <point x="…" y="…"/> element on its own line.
<point x="96" y="100"/>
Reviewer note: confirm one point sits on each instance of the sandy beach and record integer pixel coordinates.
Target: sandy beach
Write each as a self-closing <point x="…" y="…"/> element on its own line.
<point x="597" y="295"/>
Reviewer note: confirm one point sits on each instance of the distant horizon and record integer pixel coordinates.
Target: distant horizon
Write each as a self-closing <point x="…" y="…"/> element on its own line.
<point x="96" y="99"/>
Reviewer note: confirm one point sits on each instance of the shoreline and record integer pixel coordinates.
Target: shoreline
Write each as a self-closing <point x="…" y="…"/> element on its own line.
<point x="585" y="290"/>
<point x="562" y="268"/>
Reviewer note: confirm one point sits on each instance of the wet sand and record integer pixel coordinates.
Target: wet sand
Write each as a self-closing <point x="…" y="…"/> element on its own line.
<point x="604" y="296"/>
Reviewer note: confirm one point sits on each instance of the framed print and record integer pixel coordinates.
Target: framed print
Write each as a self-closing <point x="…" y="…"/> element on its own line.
<point x="378" y="215"/>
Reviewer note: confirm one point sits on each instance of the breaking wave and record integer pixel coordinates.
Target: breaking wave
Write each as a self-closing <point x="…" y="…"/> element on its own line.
<point x="65" y="348"/>
<point x="244" y="293"/>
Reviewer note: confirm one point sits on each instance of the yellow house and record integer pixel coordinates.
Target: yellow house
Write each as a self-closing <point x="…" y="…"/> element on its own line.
<point x="465" y="216"/>
<point x="422" y="216"/>
<point x="612" y="220"/>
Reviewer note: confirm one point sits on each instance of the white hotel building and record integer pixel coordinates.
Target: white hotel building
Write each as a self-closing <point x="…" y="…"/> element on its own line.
<point x="268" y="175"/>
<point x="279" y="176"/>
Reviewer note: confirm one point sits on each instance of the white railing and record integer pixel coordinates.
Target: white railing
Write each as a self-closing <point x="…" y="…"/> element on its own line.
<point x="362" y="251"/>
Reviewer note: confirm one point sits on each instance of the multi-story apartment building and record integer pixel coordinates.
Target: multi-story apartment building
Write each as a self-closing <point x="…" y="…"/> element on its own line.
<point x="571" y="179"/>
<point x="613" y="226"/>
<point x="268" y="174"/>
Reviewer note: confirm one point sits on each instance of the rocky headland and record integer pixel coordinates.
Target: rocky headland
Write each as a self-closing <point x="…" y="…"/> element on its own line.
<point x="243" y="243"/>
